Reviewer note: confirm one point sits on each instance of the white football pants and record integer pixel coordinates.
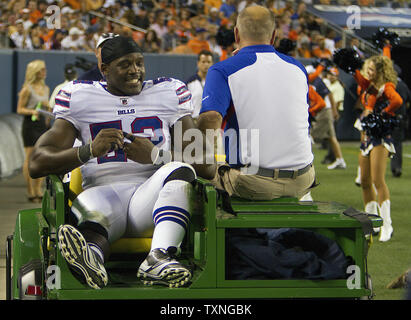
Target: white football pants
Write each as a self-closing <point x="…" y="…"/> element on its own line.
<point x="130" y="210"/>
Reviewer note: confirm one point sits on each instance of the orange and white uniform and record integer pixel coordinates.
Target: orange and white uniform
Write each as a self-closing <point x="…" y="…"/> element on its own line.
<point x="317" y="103"/>
<point x="372" y="99"/>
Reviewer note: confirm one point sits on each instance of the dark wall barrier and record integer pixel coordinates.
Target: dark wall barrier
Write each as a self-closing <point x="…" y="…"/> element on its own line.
<point x="6" y="81"/>
<point x="175" y="66"/>
<point x="55" y="62"/>
<point x="11" y="144"/>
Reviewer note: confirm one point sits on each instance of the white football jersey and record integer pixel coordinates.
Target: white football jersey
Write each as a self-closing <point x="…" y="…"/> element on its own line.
<point x="90" y="107"/>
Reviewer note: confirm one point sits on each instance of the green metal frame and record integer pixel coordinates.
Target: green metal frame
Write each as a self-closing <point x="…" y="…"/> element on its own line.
<point x="204" y="248"/>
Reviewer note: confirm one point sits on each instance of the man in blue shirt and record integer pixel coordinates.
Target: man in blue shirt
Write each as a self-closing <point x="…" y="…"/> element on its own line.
<point x="228" y="8"/>
<point x="260" y="98"/>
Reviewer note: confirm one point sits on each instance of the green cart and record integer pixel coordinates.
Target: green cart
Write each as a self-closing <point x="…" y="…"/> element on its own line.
<point x="35" y="268"/>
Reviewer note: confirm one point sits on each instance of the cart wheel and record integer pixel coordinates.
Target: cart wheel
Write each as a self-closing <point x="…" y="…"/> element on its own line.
<point x="369" y="286"/>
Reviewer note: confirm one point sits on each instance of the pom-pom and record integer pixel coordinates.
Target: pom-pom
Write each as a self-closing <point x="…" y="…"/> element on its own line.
<point x="382" y="35"/>
<point x="379" y="125"/>
<point x="286" y="46"/>
<point x="348" y="60"/>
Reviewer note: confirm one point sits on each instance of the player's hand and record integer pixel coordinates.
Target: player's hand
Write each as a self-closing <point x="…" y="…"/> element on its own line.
<point x="139" y="150"/>
<point x="107" y="140"/>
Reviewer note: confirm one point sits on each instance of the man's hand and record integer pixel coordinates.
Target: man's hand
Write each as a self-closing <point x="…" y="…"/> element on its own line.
<point x="139" y="150"/>
<point x="336" y="114"/>
<point x="106" y="141"/>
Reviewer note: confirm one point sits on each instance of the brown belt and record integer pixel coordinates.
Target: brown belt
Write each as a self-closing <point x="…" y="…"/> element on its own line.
<point x="278" y="173"/>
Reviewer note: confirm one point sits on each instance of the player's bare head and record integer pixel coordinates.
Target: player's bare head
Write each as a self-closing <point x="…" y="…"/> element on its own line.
<point x="123" y="66"/>
<point x="255" y="24"/>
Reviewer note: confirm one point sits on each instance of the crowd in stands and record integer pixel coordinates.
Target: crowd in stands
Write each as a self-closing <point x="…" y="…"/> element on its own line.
<point x="161" y="26"/>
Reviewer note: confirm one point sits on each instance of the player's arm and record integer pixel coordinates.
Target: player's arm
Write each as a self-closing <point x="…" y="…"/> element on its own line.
<point x="215" y="105"/>
<point x="204" y="163"/>
<point x="54" y="152"/>
<point x="210" y="123"/>
<point x="142" y="150"/>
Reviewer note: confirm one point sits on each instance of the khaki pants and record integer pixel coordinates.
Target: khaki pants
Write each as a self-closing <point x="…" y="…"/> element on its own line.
<point x="323" y="126"/>
<point x="254" y="187"/>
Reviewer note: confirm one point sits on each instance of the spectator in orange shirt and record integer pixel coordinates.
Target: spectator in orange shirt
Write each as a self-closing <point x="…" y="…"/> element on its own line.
<point x="366" y="3"/>
<point x="317" y="103"/>
<point x="199" y="42"/>
<point x="46" y="34"/>
<point x="304" y="50"/>
<point x="321" y="51"/>
<point x="75" y="4"/>
<point x="35" y="13"/>
<point x="182" y="48"/>
<point x="208" y="4"/>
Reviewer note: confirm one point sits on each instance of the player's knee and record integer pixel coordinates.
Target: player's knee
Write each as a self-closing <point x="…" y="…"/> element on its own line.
<point x="184" y="172"/>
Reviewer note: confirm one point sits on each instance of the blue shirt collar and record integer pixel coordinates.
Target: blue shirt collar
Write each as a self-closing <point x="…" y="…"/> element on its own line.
<point x="258" y="48"/>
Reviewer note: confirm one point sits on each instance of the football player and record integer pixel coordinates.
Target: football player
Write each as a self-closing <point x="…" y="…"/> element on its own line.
<point x="131" y="186"/>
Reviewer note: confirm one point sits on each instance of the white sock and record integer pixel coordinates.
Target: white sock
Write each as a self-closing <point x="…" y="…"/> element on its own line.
<point x="171" y="215"/>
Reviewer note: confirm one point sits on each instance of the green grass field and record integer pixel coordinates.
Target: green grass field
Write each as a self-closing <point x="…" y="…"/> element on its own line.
<point x="386" y="261"/>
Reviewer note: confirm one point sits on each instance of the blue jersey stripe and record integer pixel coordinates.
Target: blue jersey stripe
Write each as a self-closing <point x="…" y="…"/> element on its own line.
<point x="62" y="103"/>
<point x="184" y="99"/>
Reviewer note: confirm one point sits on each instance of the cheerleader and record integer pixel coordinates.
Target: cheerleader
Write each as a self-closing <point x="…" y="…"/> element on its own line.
<point x="380" y="100"/>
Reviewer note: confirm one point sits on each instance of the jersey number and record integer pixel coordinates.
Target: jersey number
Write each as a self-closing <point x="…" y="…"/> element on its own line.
<point x="139" y="125"/>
